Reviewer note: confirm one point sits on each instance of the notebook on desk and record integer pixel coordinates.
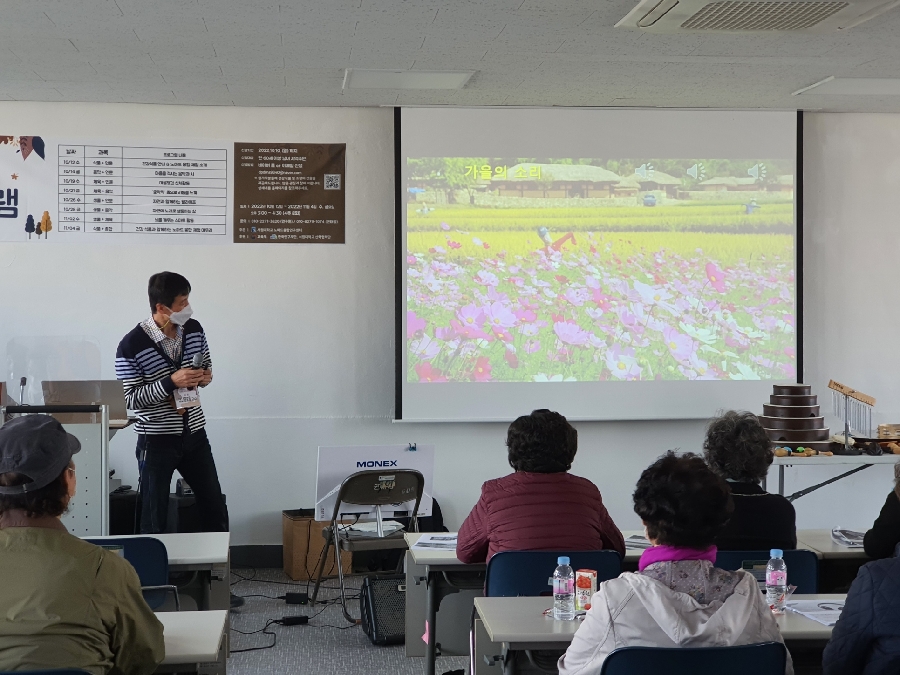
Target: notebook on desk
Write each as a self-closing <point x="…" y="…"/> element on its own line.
<point x="87" y="392"/>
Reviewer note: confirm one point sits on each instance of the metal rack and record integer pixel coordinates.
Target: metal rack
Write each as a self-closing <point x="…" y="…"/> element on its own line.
<point x="854" y="408"/>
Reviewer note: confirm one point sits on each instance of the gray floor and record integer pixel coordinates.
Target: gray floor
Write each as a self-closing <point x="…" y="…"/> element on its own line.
<point x="313" y="649"/>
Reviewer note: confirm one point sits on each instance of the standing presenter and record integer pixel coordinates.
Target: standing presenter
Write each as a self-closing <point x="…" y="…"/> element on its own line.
<point x="163" y="362"/>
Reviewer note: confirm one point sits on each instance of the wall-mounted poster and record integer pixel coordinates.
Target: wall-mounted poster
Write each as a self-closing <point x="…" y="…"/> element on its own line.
<point x="82" y="190"/>
<point x="289" y="193"/>
<point x="88" y="190"/>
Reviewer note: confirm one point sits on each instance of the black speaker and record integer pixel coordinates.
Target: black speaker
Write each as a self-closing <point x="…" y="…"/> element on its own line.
<point x="382" y="606"/>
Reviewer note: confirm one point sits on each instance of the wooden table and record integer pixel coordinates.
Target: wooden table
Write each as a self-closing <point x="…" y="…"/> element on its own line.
<point x="821" y="543"/>
<point x="207" y="554"/>
<point x="519" y="624"/>
<point x="428" y="567"/>
<point x="838" y="565"/>
<point x="194" y="640"/>
<point x="859" y="461"/>
<point x="202" y="552"/>
<point x="796" y="627"/>
<point x="439" y="574"/>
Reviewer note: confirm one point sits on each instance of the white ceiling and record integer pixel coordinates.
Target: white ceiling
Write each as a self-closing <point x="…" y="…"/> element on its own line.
<point x="525" y="52"/>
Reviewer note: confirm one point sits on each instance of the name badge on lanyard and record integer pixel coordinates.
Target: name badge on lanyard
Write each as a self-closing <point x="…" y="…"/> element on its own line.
<point x="186" y="397"/>
<point x="183" y="397"/>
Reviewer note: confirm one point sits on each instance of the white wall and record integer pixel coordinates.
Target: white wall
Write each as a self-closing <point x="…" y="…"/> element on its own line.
<point x="851" y="254"/>
<point x="302" y="336"/>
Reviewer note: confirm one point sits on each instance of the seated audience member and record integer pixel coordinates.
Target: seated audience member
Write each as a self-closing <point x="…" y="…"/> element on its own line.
<point x="881" y="541"/>
<point x="738" y="449"/>
<point x="64" y="603"/>
<point x="540" y="507"/>
<point x="866" y="639"/>
<point x="678" y="598"/>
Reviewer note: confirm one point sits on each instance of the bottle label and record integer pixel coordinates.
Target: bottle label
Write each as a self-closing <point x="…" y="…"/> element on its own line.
<point x="563" y="586"/>
<point x="776" y="578"/>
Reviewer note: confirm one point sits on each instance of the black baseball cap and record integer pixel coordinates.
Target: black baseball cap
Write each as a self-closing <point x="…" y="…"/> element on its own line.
<point x="36" y="446"/>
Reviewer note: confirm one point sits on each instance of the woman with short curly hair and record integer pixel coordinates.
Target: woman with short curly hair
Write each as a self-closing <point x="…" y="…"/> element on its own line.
<point x="678" y="598"/>
<point x="737" y="449"/>
<point x="540" y="507"/>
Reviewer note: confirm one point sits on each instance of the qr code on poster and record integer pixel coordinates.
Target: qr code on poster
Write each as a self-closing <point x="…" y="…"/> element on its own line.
<point x="332" y="181"/>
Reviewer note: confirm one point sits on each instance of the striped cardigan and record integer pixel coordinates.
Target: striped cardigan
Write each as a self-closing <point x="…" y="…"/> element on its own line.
<point x="146" y="376"/>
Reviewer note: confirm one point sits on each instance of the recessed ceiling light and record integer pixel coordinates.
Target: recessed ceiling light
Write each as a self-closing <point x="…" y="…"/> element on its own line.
<point x="357" y="78"/>
<point x="857" y="86"/>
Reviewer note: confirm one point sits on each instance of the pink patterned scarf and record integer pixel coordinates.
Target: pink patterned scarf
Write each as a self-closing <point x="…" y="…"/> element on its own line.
<point x="674" y="553"/>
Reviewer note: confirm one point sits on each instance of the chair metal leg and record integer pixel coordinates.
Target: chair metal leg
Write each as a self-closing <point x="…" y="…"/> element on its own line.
<point x="472" y="654"/>
<point x="431" y="602"/>
<point x="322" y="558"/>
<point x="340" y="568"/>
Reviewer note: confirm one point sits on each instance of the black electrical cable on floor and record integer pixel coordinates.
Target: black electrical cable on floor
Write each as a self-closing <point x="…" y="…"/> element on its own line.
<point x="279" y="583"/>
<point x="265" y="631"/>
<point x="328" y="625"/>
<point x="257" y="595"/>
<point x="242" y="578"/>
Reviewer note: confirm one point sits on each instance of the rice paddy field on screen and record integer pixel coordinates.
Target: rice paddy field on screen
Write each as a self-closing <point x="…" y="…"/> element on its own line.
<point x="688" y="290"/>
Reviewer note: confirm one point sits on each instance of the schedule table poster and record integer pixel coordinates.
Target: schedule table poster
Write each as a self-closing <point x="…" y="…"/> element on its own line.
<point x="289" y="193"/>
<point x="155" y="190"/>
<point x="91" y="190"/>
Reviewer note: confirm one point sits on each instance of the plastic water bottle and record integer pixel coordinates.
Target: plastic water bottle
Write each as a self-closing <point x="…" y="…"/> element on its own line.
<point x="563" y="590"/>
<point x="776" y="581"/>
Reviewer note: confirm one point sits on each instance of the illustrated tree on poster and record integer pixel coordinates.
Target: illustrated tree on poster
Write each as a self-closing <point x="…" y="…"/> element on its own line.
<point x="46" y="223"/>
<point x="29" y="225"/>
<point x="38" y="230"/>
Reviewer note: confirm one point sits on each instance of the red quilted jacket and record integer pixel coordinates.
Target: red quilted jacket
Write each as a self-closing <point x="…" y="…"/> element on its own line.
<point x="537" y="512"/>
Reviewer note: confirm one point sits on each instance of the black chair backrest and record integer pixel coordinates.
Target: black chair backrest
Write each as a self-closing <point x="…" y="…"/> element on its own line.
<point x="767" y="658"/>
<point x="527" y="573"/>
<point x="381" y="488"/>
<point x="150" y="559"/>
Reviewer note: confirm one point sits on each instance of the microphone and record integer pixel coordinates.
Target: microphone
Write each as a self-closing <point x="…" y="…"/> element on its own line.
<point x="197" y="362"/>
<point x="22" y="384"/>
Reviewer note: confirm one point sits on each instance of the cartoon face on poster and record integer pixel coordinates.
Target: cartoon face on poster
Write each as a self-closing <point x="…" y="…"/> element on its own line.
<point x="27" y="211"/>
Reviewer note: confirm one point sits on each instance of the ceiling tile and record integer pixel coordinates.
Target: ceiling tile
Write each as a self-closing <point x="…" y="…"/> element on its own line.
<point x="525" y="52"/>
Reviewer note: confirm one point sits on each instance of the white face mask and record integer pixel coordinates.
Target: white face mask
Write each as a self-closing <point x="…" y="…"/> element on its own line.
<point x="181" y="318"/>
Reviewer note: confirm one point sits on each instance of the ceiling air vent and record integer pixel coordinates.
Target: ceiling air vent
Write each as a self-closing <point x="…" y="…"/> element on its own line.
<point x="740" y="16"/>
<point x="730" y="15"/>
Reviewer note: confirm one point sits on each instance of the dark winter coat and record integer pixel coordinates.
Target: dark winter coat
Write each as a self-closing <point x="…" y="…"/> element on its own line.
<point x="537" y="512"/>
<point x="881" y="541"/>
<point x="760" y="522"/>
<point x="866" y="639"/>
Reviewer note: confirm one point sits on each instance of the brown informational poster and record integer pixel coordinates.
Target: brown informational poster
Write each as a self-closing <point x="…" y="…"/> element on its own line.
<point x="289" y="193"/>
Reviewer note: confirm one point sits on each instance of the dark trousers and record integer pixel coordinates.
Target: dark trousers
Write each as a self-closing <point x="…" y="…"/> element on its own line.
<point x="159" y="456"/>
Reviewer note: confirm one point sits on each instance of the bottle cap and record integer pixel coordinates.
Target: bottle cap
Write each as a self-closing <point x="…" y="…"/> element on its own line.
<point x="562" y="560"/>
<point x="776" y="553"/>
